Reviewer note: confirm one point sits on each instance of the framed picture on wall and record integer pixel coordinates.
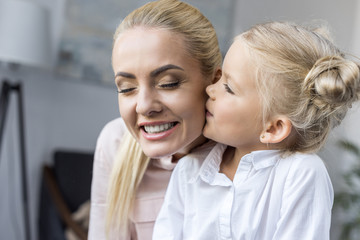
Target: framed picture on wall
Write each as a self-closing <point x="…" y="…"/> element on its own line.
<point x="86" y="42"/>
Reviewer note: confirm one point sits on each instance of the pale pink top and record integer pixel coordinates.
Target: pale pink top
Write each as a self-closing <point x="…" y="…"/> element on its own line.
<point x="150" y="194"/>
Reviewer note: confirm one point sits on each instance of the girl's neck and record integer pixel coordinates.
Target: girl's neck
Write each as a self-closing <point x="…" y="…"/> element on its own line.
<point x="229" y="163"/>
<point x="231" y="159"/>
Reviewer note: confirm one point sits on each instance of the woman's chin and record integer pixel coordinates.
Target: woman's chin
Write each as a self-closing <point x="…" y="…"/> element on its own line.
<point x="157" y="154"/>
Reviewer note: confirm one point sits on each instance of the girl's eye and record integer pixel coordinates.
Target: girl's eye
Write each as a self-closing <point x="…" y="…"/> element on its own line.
<point x="170" y="85"/>
<point x="126" y="90"/>
<point x="228" y="89"/>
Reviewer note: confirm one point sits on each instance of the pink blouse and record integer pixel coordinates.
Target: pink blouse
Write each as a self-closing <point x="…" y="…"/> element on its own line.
<point x="150" y="195"/>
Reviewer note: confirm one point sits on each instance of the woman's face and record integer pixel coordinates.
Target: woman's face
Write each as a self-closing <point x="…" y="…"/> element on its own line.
<point x="161" y="91"/>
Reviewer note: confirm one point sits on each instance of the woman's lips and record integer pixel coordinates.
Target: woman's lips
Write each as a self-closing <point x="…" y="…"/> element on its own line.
<point x="158" y="128"/>
<point x="157" y="131"/>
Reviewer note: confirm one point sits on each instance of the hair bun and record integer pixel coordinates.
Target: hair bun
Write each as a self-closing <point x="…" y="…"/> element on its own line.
<point x="333" y="82"/>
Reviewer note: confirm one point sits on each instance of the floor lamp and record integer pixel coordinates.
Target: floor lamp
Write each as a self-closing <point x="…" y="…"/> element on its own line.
<point x="24" y="40"/>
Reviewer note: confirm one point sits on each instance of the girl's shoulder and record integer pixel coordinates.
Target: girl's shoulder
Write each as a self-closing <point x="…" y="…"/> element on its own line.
<point x="307" y="167"/>
<point x="307" y="162"/>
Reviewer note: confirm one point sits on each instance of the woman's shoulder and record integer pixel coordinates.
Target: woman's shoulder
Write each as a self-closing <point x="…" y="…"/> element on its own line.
<point x="112" y="132"/>
<point x="109" y="140"/>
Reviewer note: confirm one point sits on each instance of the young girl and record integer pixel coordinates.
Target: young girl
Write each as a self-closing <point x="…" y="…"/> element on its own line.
<point x="283" y="88"/>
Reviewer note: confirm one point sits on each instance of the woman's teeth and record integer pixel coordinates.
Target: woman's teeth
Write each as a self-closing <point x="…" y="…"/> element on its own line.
<point x="158" y="128"/>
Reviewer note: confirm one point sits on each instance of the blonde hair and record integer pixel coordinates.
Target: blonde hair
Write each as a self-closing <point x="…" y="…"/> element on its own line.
<point x="201" y="43"/>
<point x="301" y="74"/>
<point x="129" y="167"/>
<point x="187" y="21"/>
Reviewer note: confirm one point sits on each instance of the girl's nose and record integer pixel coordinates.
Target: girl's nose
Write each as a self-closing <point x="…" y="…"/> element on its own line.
<point x="210" y="90"/>
<point x="147" y="102"/>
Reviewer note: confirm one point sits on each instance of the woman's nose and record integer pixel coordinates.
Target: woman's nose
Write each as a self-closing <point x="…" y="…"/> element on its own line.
<point x="148" y="102"/>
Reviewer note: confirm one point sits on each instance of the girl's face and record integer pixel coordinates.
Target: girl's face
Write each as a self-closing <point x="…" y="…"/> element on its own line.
<point x="233" y="114"/>
<point x="161" y="91"/>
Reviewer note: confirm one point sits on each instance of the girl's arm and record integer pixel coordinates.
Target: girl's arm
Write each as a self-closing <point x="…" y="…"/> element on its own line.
<point x="170" y="221"/>
<point x="306" y="203"/>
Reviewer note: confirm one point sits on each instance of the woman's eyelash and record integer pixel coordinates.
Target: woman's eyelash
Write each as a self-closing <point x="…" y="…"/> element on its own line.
<point x="170" y="85"/>
<point x="126" y="90"/>
<point x="165" y="85"/>
<point x="228" y="89"/>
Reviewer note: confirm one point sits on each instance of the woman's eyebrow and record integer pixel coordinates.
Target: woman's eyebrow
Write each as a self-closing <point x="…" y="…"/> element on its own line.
<point x="125" y="75"/>
<point x="164" y="68"/>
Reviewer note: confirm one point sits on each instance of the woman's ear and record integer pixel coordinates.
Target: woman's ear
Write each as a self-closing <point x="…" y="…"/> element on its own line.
<point x="276" y="130"/>
<point x="217" y="75"/>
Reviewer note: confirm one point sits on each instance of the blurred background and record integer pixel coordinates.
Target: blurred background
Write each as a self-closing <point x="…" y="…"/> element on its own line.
<point x="69" y="94"/>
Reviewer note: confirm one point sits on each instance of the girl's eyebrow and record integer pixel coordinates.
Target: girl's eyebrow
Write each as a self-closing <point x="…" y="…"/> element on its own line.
<point x="227" y="75"/>
<point x="164" y="68"/>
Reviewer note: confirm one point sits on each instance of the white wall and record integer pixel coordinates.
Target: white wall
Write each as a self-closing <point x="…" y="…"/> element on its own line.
<point x="339" y="14"/>
<point x="59" y="114"/>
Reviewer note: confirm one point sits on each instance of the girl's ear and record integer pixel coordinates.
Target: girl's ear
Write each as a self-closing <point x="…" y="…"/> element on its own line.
<point x="276" y="130"/>
<point x="217" y="75"/>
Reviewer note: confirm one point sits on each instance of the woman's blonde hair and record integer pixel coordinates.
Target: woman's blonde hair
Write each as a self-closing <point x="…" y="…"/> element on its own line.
<point x="301" y="74"/>
<point x="201" y="43"/>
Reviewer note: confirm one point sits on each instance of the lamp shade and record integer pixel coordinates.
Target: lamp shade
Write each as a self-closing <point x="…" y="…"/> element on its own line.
<point x="24" y="33"/>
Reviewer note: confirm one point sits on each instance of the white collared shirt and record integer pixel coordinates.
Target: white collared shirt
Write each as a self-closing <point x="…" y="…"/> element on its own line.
<point x="270" y="198"/>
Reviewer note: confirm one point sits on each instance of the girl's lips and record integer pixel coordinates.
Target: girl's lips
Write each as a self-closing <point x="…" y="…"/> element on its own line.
<point x="154" y="136"/>
<point x="208" y="114"/>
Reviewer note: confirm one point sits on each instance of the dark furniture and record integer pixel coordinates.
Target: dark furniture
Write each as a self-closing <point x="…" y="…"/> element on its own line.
<point x="65" y="186"/>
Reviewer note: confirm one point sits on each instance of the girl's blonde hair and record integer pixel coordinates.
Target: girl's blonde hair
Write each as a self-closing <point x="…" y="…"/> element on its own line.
<point x="301" y="74"/>
<point x="201" y="43"/>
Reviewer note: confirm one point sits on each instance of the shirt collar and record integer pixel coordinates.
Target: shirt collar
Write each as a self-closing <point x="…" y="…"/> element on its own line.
<point x="211" y="165"/>
<point x="262" y="158"/>
<point x="199" y="152"/>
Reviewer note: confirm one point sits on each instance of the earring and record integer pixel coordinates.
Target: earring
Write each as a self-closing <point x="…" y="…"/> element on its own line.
<point x="262" y="136"/>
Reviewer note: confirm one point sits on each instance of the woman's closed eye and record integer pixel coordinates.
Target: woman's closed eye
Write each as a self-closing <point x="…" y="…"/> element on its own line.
<point x="228" y="89"/>
<point x="125" y="90"/>
<point x="170" y="85"/>
<point x="125" y="86"/>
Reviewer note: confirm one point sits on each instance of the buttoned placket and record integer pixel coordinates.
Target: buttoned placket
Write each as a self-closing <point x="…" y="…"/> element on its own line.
<point x="225" y="213"/>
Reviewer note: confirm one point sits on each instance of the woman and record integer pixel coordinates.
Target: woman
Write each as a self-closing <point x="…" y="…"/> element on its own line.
<point x="164" y="55"/>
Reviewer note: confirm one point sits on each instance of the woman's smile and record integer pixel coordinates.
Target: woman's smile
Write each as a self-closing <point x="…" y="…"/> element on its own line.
<point x="157" y="128"/>
<point x="156" y="132"/>
<point x="161" y="91"/>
